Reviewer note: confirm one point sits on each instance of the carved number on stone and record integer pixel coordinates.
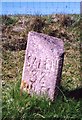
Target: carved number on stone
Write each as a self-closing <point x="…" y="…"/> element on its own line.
<point x="34" y="60"/>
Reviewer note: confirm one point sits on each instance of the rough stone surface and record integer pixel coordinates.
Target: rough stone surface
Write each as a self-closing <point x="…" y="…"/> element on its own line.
<point x="43" y="64"/>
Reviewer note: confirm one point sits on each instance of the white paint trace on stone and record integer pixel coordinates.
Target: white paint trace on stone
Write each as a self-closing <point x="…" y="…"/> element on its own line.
<point x="43" y="64"/>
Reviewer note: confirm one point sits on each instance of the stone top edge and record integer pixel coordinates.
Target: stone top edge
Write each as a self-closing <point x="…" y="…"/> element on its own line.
<point x="59" y="42"/>
<point x="46" y="36"/>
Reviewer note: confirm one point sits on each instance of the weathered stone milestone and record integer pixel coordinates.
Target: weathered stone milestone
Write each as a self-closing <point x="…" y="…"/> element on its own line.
<point x="43" y="65"/>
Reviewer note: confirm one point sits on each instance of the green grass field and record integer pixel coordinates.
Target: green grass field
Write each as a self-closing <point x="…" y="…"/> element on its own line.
<point x="16" y="107"/>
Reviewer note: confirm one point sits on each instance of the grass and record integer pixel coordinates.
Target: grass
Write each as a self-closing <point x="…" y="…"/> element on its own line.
<point x="16" y="107"/>
<point x="8" y="20"/>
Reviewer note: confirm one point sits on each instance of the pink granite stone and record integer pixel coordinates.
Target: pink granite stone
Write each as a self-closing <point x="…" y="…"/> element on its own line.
<point x="43" y="64"/>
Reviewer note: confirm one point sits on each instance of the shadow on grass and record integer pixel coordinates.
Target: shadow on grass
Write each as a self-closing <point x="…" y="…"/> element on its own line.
<point x="75" y="94"/>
